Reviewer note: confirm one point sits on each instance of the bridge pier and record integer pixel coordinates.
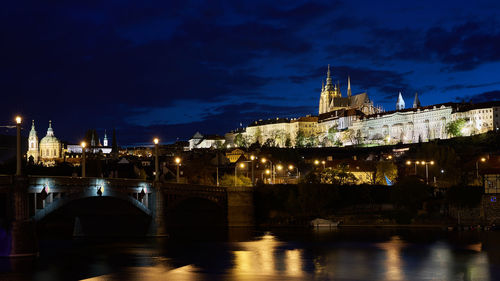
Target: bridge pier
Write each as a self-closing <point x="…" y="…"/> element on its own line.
<point x="157" y="226"/>
<point x="240" y="207"/>
<point x="23" y="240"/>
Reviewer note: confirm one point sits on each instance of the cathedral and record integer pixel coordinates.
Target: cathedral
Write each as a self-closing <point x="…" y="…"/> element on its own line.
<point x="48" y="151"/>
<point x="331" y="98"/>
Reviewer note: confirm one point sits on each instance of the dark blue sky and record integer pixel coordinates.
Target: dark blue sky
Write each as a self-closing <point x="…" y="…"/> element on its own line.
<point x="172" y="68"/>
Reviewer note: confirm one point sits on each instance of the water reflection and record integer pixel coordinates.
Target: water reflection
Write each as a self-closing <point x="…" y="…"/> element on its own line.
<point x="265" y="257"/>
<point x="393" y="263"/>
<point x="280" y="254"/>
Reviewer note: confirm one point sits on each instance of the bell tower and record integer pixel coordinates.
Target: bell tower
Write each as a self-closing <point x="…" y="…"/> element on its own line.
<point x="32" y="144"/>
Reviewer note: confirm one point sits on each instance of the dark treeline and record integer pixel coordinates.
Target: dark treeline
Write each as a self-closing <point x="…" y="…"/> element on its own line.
<point x="409" y="201"/>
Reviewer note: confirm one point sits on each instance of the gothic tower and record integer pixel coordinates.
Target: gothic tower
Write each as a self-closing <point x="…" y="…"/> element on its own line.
<point x="349" y="86"/>
<point x="416" y="101"/>
<point x="328" y="92"/>
<point x="400" y="104"/>
<point x="32" y="144"/>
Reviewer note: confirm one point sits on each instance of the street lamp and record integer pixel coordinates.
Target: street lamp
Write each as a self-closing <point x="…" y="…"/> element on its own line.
<point x="482" y="159"/>
<point x="291" y="168"/>
<point x="83" y="145"/>
<point x="252" y="157"/>
<point x="273" y="171"/>
<point x="426" y="163"/>
<point x="241" y="165"/>
<point x="316" y="162"/>
<point x="323" y="162"/>
<point x="279" y="167"/>
<point x="18" y="144"/>
<point x="157" y="166"/>
<point x="178" y="163"/>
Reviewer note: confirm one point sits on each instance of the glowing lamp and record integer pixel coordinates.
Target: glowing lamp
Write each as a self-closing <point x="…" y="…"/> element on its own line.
<point x="18" y="119"/>
<point x="156" y="140"/>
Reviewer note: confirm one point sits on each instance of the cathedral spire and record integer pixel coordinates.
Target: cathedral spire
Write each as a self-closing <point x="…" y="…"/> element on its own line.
<point x="348" y="86"/>
<point x="416" y="101"/>
<point x="329" y="84"/>
<point x="400" y="104"/>
<point x="322" y="85"/>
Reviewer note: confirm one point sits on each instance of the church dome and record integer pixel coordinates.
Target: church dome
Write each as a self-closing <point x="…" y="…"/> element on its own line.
<point x="50" y="146"/>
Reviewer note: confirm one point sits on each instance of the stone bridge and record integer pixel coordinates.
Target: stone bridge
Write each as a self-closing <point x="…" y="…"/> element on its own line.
<point x="26" y="200"/>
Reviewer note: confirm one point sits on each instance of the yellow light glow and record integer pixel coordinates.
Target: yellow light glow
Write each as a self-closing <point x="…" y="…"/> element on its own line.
<point x="423" y="162"/>
<point x="268" y="171"/>
<point x="483" y="159"/>
<point x="432" y="162"/>
<point x="389" y="157"/>
<point x="418" y="162"/>
<point x="279" y="167"/>
<point x="18" y="119"/>
<point x="156" y="140"/>
<point x="316" y="162"/>
<point x="177" y="160"/>
<point x="263" y="160"/>
<point x="290" y="167"/>
<point x="323" y="162"/>
<point x="242" y="165"/>
<point x="408" y="162"/>
<point x="252" y="157"/>
<point x="83" y="144"/>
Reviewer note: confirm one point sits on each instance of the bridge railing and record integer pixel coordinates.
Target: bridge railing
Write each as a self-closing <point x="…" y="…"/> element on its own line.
<point x="79" y="181"/>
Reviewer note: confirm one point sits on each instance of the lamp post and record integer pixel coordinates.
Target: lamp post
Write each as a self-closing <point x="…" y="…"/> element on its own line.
<point x="264" y="160"/>
<point x="83" y="145"/>
<point x="18" y="144"/>
<point x="291" y="167"/>
<point x="157" y="168"/>
<point x="482" y="159"/>
<point x="279" y="167"/>
<point x="178" y="162"/>
<point x="241" y="165"/>
<point x="323" y="162"/>
<point x="252" y="157"/>
<point x="426" y="163"/>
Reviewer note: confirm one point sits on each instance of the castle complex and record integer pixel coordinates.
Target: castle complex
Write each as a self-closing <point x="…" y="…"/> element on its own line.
<point x="355" y="120"/>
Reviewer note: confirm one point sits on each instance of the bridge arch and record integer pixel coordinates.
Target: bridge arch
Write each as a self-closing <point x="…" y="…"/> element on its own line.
<point x="88" y="193"/>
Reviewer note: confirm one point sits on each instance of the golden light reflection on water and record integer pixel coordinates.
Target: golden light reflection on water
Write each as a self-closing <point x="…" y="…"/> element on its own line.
<point x="260" y="257"/>
<point x="393" y="262"/>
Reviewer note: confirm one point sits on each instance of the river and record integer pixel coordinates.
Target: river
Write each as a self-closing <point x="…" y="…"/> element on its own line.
<point x="269" y="254"/>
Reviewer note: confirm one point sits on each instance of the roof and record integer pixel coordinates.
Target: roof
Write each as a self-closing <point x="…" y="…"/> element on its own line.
<point x="456" y="107"/>
<point x="269" y="121"/>
<point x="340" y="113"/>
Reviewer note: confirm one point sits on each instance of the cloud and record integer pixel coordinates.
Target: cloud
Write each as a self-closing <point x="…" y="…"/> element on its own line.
<point x="481" y="97"/>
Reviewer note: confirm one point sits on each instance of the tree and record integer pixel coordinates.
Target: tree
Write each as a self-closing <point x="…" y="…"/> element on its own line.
<point x="300" y="139"/>
<point x="338" y="176"/>
<point x="332" y="133"/>
<point x="240" y="140"/>
<point x="288" y="141"/>
<point x="228" y="180"/>
<point x="349" y="136"/>
<point x="386" y="169"/>
<point x="454" y="128"/>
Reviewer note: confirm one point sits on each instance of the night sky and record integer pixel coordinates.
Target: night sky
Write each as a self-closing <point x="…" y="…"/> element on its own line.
<point x="169" y="69"/>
